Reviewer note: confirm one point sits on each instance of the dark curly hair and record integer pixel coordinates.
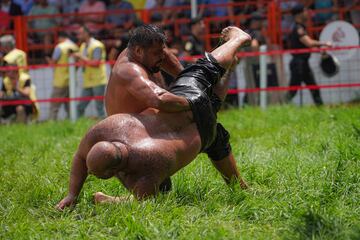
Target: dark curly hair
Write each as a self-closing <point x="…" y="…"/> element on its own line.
<point x="145" y="36"/>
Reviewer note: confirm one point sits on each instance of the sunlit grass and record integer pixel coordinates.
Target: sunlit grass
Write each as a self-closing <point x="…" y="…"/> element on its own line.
<point x="303" y="166"/>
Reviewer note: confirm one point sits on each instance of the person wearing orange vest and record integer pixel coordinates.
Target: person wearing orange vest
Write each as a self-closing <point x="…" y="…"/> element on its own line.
<point x="61" y="54"/>
<point x="18" y="86"/>
<point x="93" y="55"/>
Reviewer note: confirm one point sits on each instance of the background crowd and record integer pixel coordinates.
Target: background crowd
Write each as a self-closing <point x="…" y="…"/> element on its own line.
<point x="94" y="31"/>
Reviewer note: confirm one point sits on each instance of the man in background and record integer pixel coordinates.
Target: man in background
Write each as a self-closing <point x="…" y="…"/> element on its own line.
<point x="16" y="86"/>
<point x="62" y="51"/>
<point x="12" y="55"/>
<point x="299" y="65"/>
<point x="92" y="55"/>
<point x="195" y="44"/>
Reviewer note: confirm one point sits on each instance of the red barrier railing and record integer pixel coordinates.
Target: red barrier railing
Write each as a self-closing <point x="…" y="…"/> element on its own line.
<point x="272" y="11"/>
<point x="231" y="91"/>
<point x="191" y="58"/>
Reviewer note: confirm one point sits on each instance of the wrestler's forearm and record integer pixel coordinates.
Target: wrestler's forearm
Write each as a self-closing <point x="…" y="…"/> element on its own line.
<point x="171" y="64"/>
<point x="169" y="102"/>
<point x="78" y="176"/>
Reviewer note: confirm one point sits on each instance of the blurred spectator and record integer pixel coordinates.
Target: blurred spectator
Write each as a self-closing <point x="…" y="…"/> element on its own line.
<point x="69" y="6"/>
<point x="18" y="87"/>
<point x="299" y="66"/>
<point x="254" y="28"/>
<point x="138" y="4"/>
<point x="25" y="5"/>
<point x="170" y="14"/>
<point x="195" y="43"/>
<point x="94" y="22"/>
<point x="326" y="8"/>
<point x="118" y="46"/>
<point x="245" y="7"/>
<point x="169" y="34"/>
<point x="156" y="11"/>
<point x="55" y="3"/>
<point x="184" y="13"/>
<point x="11" y="7"/>
<point x="124" y="19"/>
<point x="4" y="20"/>
<point x="177" y="47"/>
<point x="13" y="56"/>
<point x="42" y="7"/>
<point x="8" y="9"/>
<point x="156" y="19"/>
<point x="92" y="54"/>
<point x="149" y="4"/>
<point x="61" y="54"/>
<point x="354" y="13"/>
<point x="287" y="20"/>
<point x="216" y="11"/>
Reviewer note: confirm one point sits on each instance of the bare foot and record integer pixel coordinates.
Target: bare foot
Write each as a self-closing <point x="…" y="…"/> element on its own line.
<point x="235" y="33"/>
<point x="100" y="197"/>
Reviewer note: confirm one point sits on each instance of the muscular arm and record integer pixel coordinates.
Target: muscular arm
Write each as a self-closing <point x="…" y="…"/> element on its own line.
<point x="136" y="82"/>
<point x="171" y="64"/>
<point x="78" y="176"/>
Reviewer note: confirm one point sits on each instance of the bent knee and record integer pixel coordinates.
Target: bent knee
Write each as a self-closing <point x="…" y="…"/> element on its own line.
<point x="100" y="150"/>
<point x="102" y="156"/>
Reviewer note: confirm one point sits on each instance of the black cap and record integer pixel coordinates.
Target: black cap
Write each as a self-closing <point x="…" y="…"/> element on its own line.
<point x="298" y="8"/>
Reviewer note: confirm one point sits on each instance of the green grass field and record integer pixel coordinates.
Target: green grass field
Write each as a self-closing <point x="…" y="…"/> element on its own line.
<point x="303" y="166"/>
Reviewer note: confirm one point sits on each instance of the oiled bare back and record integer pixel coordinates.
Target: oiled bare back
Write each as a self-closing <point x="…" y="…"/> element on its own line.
<point x="159" y="144"/>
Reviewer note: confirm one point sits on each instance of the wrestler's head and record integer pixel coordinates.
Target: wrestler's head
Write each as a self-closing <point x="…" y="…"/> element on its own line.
<point x="146" y="46"/>
<point x="104" y="160"/>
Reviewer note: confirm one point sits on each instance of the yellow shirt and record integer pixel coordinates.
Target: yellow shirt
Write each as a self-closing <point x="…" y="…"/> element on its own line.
<point x="61" y="74"/>
<point x="22" y="80"/>
<point x="17" y="57"/>
<point x="94" y="76"/>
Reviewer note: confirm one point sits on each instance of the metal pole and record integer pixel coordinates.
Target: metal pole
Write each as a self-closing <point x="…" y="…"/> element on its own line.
<point x="263" y="77"/>
<point x="238" y="69"/>
<point x="193" y="9"/>
<point x="72" y="88"/>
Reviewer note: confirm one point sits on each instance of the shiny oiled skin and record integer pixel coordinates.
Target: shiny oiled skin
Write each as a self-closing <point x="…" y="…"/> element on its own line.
<point x="159" y="144"/>
<point x="132" y="88"/>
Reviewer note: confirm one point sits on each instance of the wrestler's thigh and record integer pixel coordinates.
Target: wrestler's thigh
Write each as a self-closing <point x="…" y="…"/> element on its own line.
<point x="145" y="186"/>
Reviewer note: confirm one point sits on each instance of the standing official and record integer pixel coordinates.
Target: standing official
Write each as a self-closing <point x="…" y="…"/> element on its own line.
<point x="299" y="65"/>
<point x="61" y="55"/>
<point x="93" y="55"/>
<point x="195" y="45"/>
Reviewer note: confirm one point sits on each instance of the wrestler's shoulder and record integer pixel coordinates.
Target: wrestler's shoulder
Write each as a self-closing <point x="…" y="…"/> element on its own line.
<point x="128" y="70"/>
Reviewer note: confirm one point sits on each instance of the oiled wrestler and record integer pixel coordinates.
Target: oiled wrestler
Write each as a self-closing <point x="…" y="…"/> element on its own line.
<point x="142" y="150"/>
